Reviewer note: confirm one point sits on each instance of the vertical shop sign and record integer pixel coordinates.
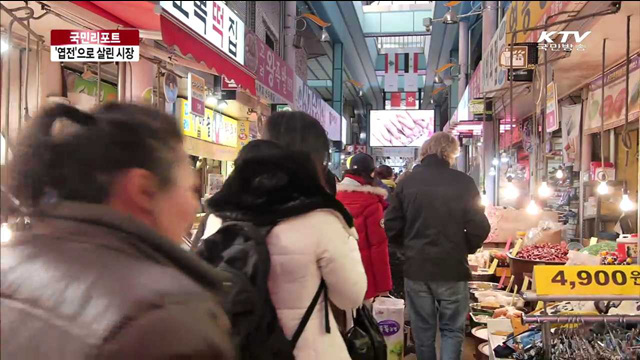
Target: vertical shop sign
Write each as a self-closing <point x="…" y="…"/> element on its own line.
<point x="95" y="45"/>
<point x="553" y="122"/>
<point x="196" y="94"/>
<point x="204" y="125"/>
<point x="396" y="100"/>
<point x="614" y="94"/>
<point x="571" y="133"/>
<point x="493" y="76"/>
<point x="228" y="132"/>
<point x="274" y="78"/>
<point x="213" y="21"/>
<point x="244" y="135"/>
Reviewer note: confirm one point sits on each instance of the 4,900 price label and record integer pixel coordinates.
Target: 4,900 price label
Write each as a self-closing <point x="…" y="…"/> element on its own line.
<point x="587" y="280"/>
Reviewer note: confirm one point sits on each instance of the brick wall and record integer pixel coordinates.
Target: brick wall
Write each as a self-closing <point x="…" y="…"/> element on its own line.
<point x="268" y="21"/>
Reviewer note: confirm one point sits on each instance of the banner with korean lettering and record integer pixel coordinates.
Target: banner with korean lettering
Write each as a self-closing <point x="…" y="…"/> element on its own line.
<point x="227" y="133"/>
<point x="95" y="45"/>
<point x="274" y="78"/>
<point x="309" y="101"/>
<point x="212" y="20"/>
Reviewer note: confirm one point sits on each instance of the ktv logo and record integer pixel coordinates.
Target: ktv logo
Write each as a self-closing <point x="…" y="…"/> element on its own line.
<point x="545" y="41"/>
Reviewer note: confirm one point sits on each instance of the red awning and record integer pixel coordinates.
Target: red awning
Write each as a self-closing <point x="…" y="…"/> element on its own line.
<point x="132" y="14"/>
<point x="189" y="43"/>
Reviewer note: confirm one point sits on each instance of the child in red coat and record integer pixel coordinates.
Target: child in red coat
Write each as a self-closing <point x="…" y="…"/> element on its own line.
<point x="366" y="204"/>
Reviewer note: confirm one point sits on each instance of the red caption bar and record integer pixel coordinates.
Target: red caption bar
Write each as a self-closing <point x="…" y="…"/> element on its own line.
<point x="95" y="37"/>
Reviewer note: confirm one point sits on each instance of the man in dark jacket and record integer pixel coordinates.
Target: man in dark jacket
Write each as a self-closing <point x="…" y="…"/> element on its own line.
<point x="436" y="211"/>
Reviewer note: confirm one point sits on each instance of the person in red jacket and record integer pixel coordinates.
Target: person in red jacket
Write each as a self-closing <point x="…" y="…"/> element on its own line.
<point x="366" y="202"/>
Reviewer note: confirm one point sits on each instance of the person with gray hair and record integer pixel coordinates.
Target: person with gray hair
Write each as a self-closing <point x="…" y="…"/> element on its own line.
<point x="436" y="213"/>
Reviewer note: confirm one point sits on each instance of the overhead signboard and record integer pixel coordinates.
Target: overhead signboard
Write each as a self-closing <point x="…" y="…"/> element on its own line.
<point x="274" y="78"/>
<point x="95" y="45"/>
<point x="213" y="21"/>
<point x="401" y="127"/>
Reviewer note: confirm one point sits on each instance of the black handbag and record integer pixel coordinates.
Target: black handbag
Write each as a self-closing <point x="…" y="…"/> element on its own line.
<point x="364" y="340"/>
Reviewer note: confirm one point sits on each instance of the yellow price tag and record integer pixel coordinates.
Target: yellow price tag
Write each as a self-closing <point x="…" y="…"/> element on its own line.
<point x="516" y="248"/>
<point x="587" y="280"/>
<point x="494" y="266"/>
<point x="593" y="241"/>
<point x="510" y="283"/>
<point x="525" y="283"/>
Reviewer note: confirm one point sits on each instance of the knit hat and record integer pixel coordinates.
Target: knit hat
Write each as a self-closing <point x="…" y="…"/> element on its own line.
<point x="363" y="162"/>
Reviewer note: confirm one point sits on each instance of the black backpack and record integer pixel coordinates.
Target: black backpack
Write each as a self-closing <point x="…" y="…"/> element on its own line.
<point x="240" y="248"/>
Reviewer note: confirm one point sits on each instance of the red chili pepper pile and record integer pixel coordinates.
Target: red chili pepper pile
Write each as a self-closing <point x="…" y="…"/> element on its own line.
<point x="545" y="252"/>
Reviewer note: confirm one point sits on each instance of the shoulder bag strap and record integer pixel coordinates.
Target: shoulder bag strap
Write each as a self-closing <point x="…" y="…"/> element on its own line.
<point x="307" y="315"/>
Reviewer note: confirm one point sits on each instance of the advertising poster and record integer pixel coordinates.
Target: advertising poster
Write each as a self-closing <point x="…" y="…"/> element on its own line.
<point x="553" y="122"/>
<point x="244" y="135"/>
<point x="614" y="91"/>
<point x="214" y="183"/>
<point x="401" y="127"/>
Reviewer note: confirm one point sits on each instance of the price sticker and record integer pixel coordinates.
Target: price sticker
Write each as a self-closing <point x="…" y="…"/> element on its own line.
<point x="516" y="248"/>
<point x="510" y="283"/>
<point x="502" y="278"/>
<point x="593" y="241"/>
<point x="525" y="283"/>
<point x="494" y="266"/>
<point x="508" y="246"/>
<point x="587" y="280"/>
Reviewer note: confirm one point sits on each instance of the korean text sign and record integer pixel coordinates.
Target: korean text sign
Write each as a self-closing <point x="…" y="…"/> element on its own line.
<point x="95" y="45"/>
<point x="212" y="20"/>
<point x="196" y="94"/>
<point x="272" y="72"/>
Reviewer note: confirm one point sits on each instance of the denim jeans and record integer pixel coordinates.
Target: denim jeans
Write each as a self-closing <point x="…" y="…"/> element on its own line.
<point x="437" y="303"/>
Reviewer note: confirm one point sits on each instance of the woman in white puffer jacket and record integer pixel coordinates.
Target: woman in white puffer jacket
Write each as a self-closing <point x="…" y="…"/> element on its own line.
<point x="314" y="238"/>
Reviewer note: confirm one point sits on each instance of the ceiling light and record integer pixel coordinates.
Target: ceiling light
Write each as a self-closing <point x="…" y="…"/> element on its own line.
<point x="495" y="162"/>
<point x="222" y="105"/>
<point x="5" y="233"/>
<point x="626" y="204"/>
<point x="211" y="101"/>
<point x="325" y="36"/>
<point x="533" y="208"/>
<point x="492" y="171"/>
<point x="360" y="93"/>
<point x="560" y="173"/>
<point x="603" y="188"/>
<point x="438" y="79"/>
<point x="511" y="192"/>
<point x="544" y="190"/>
<point x="450" y="17"/>
<point x="4" y="46"/>
<point x="504" y="158"/>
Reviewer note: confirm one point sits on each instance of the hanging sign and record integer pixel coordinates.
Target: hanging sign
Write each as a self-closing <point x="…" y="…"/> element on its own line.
<point x="213" y="21"/>
<point x="587" y="280"/>
<point x="188" y="125"/>
<point x="309" y="101"/>
<point x="614" y="94"/>
<point x="552" y="116"/>
<point x="196" y="94"/>
<point x="274" y="78"/>
<point x="95" y="45"/>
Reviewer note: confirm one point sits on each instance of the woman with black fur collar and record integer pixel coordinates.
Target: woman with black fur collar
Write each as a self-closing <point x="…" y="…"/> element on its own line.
<point x="366" y="204"/>
<point x="313" y="238"/>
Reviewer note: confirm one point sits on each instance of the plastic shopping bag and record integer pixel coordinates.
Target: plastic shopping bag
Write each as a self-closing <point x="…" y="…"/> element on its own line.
<point x="389" y="313"/>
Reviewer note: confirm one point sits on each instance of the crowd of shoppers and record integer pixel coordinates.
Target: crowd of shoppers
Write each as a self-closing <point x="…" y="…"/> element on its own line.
<point x="100" y="272"/>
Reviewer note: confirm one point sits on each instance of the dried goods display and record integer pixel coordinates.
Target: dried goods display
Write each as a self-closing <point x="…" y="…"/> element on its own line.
<point x="545" y="252"/>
